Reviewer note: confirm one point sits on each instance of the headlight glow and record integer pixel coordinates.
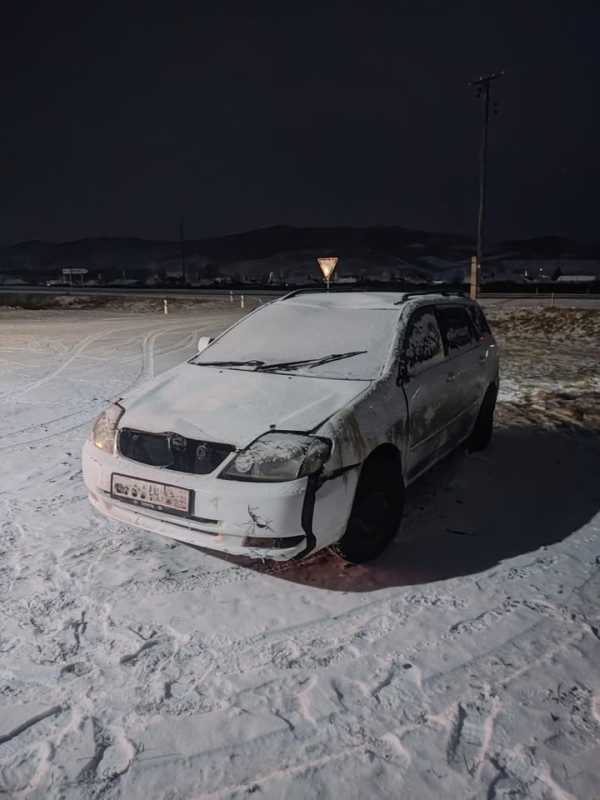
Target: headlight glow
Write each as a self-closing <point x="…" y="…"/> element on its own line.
<point x="279" y="457"/>
<point x="104" y="432"/>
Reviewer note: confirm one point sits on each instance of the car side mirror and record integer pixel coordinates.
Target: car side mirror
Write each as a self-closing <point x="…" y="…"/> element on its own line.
<point x="403" y="374"/>
<point x="203" y="342"/>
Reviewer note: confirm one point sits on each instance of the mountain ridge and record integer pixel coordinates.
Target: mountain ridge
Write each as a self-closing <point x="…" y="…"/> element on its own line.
<point x="258" y="249"/>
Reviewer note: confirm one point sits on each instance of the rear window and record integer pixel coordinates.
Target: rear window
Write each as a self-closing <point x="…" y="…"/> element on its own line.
<point x="457" y="328"/>
<point x="423" y="342"/>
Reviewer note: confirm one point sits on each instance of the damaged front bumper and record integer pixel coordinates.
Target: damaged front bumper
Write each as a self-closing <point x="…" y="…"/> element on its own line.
<point x="278" y="521"/>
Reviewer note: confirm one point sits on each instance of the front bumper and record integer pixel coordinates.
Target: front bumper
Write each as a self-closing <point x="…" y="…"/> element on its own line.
<point x="226" y="513"/>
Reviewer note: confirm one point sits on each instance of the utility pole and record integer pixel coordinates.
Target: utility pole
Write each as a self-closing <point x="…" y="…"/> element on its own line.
<point x="483" y="89"/>
<point x="181" y="251"/>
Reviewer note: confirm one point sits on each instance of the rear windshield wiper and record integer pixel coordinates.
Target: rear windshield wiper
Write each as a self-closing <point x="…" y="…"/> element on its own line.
<point x="309" y="362"/>
<point x="254" y="363"/>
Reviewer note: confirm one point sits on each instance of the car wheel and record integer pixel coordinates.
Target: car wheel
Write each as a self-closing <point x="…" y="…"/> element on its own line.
<point x="484" y="426"/>
<point x="376" y="512"/>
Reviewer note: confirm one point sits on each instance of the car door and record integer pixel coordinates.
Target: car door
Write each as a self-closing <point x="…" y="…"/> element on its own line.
<point x="488" y="352"/>
<point x="424" y="375"/>
<point x="466" y="369"/>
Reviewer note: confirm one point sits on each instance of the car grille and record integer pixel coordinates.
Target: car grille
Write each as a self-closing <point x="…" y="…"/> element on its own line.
<point x="172" y="451"/>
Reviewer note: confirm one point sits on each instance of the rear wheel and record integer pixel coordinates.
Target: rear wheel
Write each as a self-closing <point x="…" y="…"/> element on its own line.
<point x="376" y="511"/>
<point x="484" y="426"/>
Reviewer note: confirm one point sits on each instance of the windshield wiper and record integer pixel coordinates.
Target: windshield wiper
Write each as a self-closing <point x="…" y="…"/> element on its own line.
<point x="309" y="362"/>
<point x="260" y="366"/>
<point x="254" y="363"/>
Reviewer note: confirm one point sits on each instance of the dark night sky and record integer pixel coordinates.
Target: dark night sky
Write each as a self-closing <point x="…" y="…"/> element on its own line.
<point x="118" y="118"/>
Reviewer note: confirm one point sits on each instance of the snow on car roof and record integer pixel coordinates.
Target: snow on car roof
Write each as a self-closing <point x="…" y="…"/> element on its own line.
<point x="337" y="299"/>
<point x="381" y="300"/>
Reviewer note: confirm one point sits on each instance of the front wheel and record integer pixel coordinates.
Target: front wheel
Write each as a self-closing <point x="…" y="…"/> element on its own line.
<point x="376" y="512"/>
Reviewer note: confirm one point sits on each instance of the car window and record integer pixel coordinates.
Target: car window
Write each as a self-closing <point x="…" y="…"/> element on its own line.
<point x="479" y="321"/>
<point x="306" y="330"/>
<point x="423" y="342"/>
<point x="457" y="329"/>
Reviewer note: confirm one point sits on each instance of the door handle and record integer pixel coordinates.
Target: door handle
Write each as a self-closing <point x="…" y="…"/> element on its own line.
<point x="451" y="376"/>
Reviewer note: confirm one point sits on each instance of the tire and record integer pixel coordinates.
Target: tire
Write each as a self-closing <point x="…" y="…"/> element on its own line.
<point x="376" y="511"/>
<point x="481" y="434"/>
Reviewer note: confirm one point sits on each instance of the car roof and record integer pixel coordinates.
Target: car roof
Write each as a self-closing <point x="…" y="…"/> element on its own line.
<point x="371" y="299"/>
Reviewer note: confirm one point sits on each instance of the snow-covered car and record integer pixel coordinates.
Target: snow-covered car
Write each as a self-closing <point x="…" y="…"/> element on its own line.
<point x="300" y="426"/>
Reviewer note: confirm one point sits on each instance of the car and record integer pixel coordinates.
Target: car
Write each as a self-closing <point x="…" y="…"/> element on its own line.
<point x="300" y="426"/>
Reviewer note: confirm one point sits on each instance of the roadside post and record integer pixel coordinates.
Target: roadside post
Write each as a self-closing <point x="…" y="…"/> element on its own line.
<point x="165" y="306"/>
<point x="327" y="265"/>
<point x="241" y="301"/>
<point x="474" y="283"/>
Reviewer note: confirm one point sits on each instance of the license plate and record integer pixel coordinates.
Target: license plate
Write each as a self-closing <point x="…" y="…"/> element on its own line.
<point x="149" y="494"/>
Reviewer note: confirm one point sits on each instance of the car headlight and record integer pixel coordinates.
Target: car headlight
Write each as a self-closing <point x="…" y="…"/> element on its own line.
<point x="279" y="457"/>
<point x="104" y="432"/>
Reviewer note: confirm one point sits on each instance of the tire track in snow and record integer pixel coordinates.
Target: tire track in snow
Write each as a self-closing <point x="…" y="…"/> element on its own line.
<point x="51" y="712"/>
<point x="77" y="350"/>
<point x="352" y="728"/>
<point x="392" y="608"/>
<point x="146" y="372"/>
<point x="361" y="727"/>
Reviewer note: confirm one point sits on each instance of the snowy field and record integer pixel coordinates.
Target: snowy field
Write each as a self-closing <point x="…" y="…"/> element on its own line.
<point x="464" y="664"/>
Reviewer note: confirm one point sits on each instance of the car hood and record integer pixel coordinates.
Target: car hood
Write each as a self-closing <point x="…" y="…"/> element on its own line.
<point x="234" y="406"/>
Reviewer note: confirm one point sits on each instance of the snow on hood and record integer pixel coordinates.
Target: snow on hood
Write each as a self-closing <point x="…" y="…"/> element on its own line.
<point x="233" y="406"/>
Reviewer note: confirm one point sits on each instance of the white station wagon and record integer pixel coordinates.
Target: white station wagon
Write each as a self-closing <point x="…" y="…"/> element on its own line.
<point x="300" y="426"/>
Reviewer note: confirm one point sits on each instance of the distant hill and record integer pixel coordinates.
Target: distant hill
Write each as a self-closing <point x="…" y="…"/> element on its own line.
<point x="285" y="251"/>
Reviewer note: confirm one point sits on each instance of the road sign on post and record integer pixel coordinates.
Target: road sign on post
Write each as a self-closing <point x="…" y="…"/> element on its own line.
<point x="327" y="267"/>
<point x="68" y="272"/>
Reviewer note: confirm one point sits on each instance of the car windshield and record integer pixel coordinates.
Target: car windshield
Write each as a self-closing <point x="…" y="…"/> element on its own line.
<point x="313" y="339"/>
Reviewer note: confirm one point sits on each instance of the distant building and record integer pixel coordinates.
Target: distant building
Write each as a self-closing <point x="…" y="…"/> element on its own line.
<point x="12" y="280"/>
<point x="346" y="279"/>
<point x="124" y="282"/>
<point x="536" y="275"/>
<point x="542" y="270"/>
<point x="203" y="282"/>
<point x="576" y="279"/>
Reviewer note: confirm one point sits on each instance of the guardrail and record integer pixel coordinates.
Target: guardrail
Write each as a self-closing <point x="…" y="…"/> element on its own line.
<point x="179" y="292"/>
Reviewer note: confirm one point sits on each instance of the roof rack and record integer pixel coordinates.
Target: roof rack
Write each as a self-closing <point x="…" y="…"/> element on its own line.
<point x="425" y="292"/>
<point x="333" y="290"/>
<point x="377" y="289"/>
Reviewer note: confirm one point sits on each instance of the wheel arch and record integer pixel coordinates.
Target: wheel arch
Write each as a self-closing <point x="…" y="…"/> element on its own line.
<point x="380" y="489"/>
<point x="386" y="452"/>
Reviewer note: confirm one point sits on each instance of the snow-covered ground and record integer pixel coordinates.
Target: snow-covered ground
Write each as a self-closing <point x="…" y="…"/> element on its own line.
<point x="464" y="664"/>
